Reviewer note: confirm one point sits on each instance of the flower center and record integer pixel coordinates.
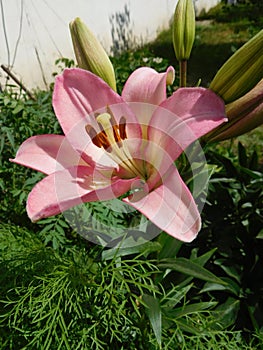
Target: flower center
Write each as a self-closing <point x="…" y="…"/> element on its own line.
<point x="112" y="132"/>
<point x="112" y="137"/>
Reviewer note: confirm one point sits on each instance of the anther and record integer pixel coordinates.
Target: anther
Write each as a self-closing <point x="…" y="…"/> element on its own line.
<point x="122" y="128"/>
<point x="99" y="139"/>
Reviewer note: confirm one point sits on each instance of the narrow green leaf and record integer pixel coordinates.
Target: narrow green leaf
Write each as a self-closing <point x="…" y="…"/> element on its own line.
<point x="10" y="136"/>
<point x="190" y="268"/>
<point x="231" y="286"/>
<point x="62" y="223"/>
<point x="18" y="108"/>
<point x="189" y="309"/>
<point x="203" y="259"/>
<point x="231" y="271"/>
<point x="252" y="173"/>
<point x="153" y="311"/>
<point x="170" y="246"/>
<point x="184" y="326"/>
<point x="118" y="251"/>
<point x="260" y="234"/>
<point x="47" y="228"/>
<point x="174" y="297"/>
<point x="242" y="155"/>
<point x="226" y="314"/>
<point x="253" y="161"/>
<point x="228" y="165"/>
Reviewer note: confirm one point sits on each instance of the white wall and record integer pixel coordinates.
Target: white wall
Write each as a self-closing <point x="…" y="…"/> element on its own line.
<point x="206" y="4"/>
<point x="37" y="30"/>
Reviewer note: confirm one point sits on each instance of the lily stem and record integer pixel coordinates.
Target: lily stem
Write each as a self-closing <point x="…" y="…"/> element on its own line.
<point x="183" y="72"/>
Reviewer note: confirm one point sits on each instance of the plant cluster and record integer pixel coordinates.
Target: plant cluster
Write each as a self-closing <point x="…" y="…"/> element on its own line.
<point x="61" y="291"/>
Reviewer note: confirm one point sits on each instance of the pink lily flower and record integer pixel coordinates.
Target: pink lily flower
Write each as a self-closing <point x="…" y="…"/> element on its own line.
<point x="121" y="146"/>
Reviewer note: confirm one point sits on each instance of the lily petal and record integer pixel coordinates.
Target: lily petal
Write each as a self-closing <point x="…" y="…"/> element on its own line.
<point x="69" y="187"/>
<point x="78" y="96"/>
<point x="144" y="90"/>
<point x="146" y="85"/>
<point x="47" y="154"/>
<point x="184" y="117"/>
<point x="171" y="207"/>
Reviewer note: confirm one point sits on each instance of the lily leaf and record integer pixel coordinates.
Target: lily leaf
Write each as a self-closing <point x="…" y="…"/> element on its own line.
<point x="144" y="249"/>
<point x="184" y="326"/>
<point x="175" y="296"/>
<point x="231" y="286"/>
<point x="153" y="311"/>
<point x="226" y="314"/>
<point x="170" y="246"/>
<point x="190" y="268"/>
<point x="189" y="309"/>
<point x="203" y="259"/>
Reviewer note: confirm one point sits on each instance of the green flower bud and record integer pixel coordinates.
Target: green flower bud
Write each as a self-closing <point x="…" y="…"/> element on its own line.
<point x="241" y="72"/>
<point x="244" y="114"/>
<point x="90" y="54"/>
<point x="183" y="29"/>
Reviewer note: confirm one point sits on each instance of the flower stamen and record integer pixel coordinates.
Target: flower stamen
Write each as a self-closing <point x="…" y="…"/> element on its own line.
<point x="111" y="137"/>
<point x="122" y="128"/>
<point x="99" y="139"/>
<point x="104" y="120"/>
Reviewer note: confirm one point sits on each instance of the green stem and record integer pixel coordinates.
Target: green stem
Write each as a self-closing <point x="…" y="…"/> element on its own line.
<point x="183" y="72"/>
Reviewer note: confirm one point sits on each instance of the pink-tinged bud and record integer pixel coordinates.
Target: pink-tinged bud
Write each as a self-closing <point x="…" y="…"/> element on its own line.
<point x="244" y="114"/>
<point x="183" y="29"/>
<point x="90" y="54"/>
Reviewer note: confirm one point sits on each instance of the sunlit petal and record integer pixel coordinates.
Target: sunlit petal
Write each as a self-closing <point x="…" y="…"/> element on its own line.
<point x="171" y="207"/>
<point x="73" y="186"/>
<point x="184" y="117"/>
<point x="47" y="153"/>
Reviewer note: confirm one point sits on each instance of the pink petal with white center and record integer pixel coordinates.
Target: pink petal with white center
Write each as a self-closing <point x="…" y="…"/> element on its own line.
<point x="184" y="117"/>
<point x="69" y="187"/>
<point x="47" y="153"/>
<point x="78" y="96"/>
<point x="171" y="207"/>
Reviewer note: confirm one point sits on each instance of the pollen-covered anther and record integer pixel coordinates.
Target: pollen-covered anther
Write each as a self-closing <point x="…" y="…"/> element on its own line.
<point x="99" y="139"/>
<point x="122" y="128"/>
<point x="110" y="132"/>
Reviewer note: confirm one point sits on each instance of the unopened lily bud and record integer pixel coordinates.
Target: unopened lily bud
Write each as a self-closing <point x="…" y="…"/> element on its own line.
<point x="241" y="72"/>
<point x="244" y="114"/>
<point x="183" y="29"/>
<point x="90" y="54"/>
